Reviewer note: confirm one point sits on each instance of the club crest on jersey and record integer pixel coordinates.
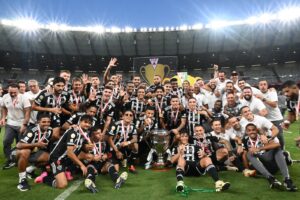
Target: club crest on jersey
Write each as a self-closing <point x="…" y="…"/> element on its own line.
<point x="73" y="135"/>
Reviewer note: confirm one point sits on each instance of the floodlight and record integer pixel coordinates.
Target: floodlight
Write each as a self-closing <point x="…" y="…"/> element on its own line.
<point x="26" y="24"/>
<point x="197" y="26"/>
<point x="115" y="29"/>
<point x="183" y="27"/>
<point x="128" y="29"/>
<point x="288" y="14"/>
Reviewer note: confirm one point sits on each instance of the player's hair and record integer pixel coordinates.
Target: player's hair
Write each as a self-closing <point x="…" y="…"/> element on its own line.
<point x="250" y="124"/>
<point x="58" y="80"/>
<point x="159" y="88"/>
<point x="14" y="85"/>
<point x="288" y="84"/>
<point x="173" y="80"/>
<point x="42" y="115"/>
<point x="86" y="118"/>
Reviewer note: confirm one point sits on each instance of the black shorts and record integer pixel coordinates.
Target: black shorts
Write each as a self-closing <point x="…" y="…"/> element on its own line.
<point x="193" y="168"/>
<point x="98" y="165"/>
<point x="126" y="153"/>
<point x="34" y="156"/>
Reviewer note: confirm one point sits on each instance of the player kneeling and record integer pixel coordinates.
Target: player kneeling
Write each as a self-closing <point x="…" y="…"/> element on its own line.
<point x="191" y="161"/>
<point x="33" y="148"/>
<point x="100" y="162"/>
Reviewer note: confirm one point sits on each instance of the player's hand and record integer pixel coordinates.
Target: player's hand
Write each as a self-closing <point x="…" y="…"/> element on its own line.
<point x="104" y="157"/>
<point x="216" y="67"/>
<point x="148" y="121"/>
<point x="2" y="122"/>
<point x="85" y="79"/>
<point x="259" y="96"/>
<point x="97" y="158"/>
<point x="23" y="129"/>
<point x="240" y="150"/>
<point x="56" y="110"/>
<point x="285" y="124"/>
<point x="113" y="62"/>
<point x="83" y="169"/>
<point x="89" y="146"/>
<point x="119" y="155"/>
<point x="253" y="150"/>
<point x="41" y="144"/>
<point x="264" y="139"/>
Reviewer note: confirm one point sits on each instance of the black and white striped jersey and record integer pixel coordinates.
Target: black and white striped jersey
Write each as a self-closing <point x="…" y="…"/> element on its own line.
<point x="190" y="152"/>
<point x="137" y="106"/>
<point x="193" y="118"/>
<point x="172" y="118"/>
<point x="75" y="119"/>
<point x="72" y="137"/>
<point x="121" y="132"/>
<point x="34" y="135"/>
<point x="49" y="100"/>
<point x="76" y="98"/>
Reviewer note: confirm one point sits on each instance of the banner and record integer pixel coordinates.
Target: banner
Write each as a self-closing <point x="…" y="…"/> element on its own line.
<point x="150" y="66"/>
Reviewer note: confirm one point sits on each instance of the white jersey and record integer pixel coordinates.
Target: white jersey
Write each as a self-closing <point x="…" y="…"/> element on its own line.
<point x="261" y="123"/>
<point x="254" y="104"/>
<point x="31" y="96"/>
<point x="15" y="109"/>
<point x="274" y="114"/>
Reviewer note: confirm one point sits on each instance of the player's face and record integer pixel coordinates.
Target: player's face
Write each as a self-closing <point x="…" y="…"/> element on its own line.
<point x="185" y="84"/>
<point x="86" y="125"/>
<point x="168" y="88"/>
<point x="222" y="77"/>
<point x="141" y="94"/>
<point x="192" y="104"/>
<point x="251" y="132"/>
<point x="241" y="84"/>
<point x="216" y="126"/>
<point x="247" y="93"/>
<point x="218" y="105"/>
<point x="149" y="113"/>
<point x="247" y="113"/>
<point x="156" y="80"/>
<point x="22" y="88"/>
<point x="13" y="92"/>
<point x="263" y="86"/>
<point x="196" y="88"/>
<point x="212" y="83"/>
<point x="91" y="111"/>
<point x="136" y="81"/>
<point x="65" y="76"/>
<point x="199" y="132"/>
<point x="33" y="86"/>
<point x="229" y="87"/>
<point x="174" y="84"/>
<point x="58" y="87"/>
<point x="44" y="123"/>
<point x="200" y="83"/>
<point x="114" y="78"/>
<point x="130" y="87"/>
<point x="95" y="81"/>
<point x="159" y="93"/>
<point x="107" y="94"/>
<point x="128" y="117"/>
<point x="175" y="103"/>
<point x="184" y="138"/>
<point x="77" y="86"/>
<point x="98" y="135"/>
<point x="234" y="122"/>
<point x="290" y="92"/>
<point x="230" y="99"/>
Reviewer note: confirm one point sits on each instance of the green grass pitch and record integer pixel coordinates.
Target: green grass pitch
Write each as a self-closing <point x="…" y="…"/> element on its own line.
<point x="148" y="184"/>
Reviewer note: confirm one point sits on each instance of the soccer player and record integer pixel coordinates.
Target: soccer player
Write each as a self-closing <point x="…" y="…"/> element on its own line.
<point x="66" y="152"/>
<point x="53" y="102"/>
<point x="292" y="92"/>
<point x="193" y="161"/>
<point x="34" y="91"/>
<point x="33" y="148"/>
<point x="267" y="158"/>
<point x="100" y="162"/>
<point x="123" y="141"/>
<point x="137" y="104"/>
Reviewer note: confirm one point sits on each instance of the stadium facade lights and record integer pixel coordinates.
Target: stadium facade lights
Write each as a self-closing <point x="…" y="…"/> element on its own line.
<point x="25" y="24"/>
<point x="289" y="14"/>
<point x="197" y="26"/>
<point x="128" y="29"/>
<point x="28" y="24"/>
<point x="183" y="27"/>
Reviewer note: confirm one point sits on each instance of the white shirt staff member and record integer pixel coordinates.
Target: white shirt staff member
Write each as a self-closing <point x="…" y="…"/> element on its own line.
<point x="16" y="109"/>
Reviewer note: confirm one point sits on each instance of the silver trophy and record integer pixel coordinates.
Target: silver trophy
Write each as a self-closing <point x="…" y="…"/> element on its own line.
<point x="160" y="141"/>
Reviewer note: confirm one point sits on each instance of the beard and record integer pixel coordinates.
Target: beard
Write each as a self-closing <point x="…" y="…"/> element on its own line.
<point x="248" y="97"/>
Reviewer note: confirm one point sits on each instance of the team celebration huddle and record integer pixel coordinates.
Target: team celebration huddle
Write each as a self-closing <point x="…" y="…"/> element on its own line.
<point x="88" y="125"/>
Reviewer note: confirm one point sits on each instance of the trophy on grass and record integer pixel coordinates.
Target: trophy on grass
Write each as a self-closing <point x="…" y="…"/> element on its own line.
<point x="160" y="142"/>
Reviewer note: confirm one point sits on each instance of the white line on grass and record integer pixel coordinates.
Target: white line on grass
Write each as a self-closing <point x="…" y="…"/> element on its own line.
<point x="68" y="191"/>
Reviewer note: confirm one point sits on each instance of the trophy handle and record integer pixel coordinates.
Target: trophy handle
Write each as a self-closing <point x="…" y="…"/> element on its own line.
<point x="143" y="72"/>
<point x="167" y="70"/>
